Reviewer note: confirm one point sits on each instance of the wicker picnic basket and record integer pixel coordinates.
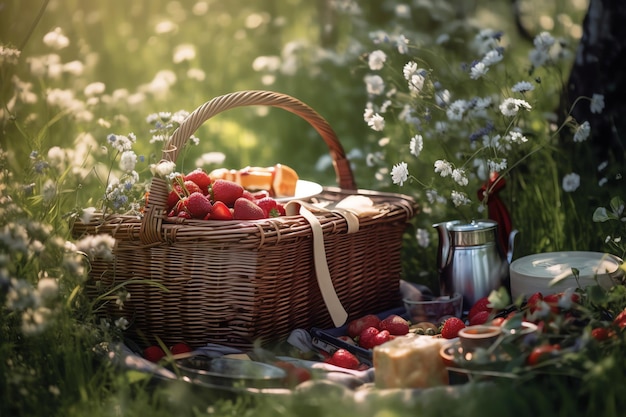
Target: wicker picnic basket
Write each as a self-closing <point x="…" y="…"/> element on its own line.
<point x="237" y="283"/>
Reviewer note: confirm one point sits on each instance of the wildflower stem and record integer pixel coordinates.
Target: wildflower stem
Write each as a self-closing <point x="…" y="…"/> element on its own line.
<point x="42" y="10"/>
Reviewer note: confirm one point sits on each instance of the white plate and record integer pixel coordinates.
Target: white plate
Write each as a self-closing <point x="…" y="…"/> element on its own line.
<point x="552" y="272"/>
<point x="304" y="189"/>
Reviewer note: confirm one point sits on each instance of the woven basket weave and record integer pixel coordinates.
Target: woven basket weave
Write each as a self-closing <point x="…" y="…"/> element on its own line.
<point x="239" y="282"/>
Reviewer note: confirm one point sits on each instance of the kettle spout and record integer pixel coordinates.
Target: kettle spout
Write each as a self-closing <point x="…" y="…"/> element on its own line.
<point x="509" y="254"/>
<point x="444" y="245"/>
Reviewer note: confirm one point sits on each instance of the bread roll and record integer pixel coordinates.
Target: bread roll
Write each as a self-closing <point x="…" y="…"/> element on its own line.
<point x="279" y="180"/>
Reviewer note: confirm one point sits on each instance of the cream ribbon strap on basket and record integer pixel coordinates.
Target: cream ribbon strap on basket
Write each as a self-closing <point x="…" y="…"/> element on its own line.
<point x="349" y="208"/>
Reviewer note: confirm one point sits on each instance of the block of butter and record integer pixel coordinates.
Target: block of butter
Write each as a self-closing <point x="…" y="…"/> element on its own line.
<point x="410" y="361"/>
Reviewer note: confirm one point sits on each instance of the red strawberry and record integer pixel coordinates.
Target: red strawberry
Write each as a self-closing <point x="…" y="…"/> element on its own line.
<point x="180" y="348"/>
<point x="269" y="206"/>
<point x="198" y="205"/>
<point x="601" y="333"/>
<point x="247" y="210"/>
<point x="153" y="353"/>
<point x="382" y="337"/>
<point x="192" y="187"/>
<point x="345" y="359"/>
<point x="533" y="301"/>
<point x="355" y="327"/>
<point x="281" y="209"/>
<point x="367" y="337"/>
<point x="480" y="305"/>
<point x="451" y="327"/>
<point x="247" y="194"/>
<point x="201" y="178"/>
<point x="257" y="195"/>
<point x="620" y="319"/>
<point x="220" y="211"/>
<point x="542" y="353"/>
<point x="395" y="324"/>
<point x="480" y="317"/>
<point x="226" y="191"/>
<point x="553" y="301"/>
<point x="295" y="374"/>
<point x="174" y="197"/>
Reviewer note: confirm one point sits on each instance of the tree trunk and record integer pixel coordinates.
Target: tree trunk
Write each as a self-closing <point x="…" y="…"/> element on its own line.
<point x="599" y="68"/>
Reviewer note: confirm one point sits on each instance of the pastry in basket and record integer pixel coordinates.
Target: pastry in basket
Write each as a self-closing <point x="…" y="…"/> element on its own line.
<point x="279" y="180"/>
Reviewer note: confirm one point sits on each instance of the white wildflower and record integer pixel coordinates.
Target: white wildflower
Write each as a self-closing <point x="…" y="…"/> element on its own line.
<point x="459" y="199"/>
<point x="87" y="214"/>
<point x="97" y="246"/>
<point x="481" y="103"/>
<point x="399" y="173"/>
<point x="49" y="190"/>
<point x="35" y="320"/>
<point x="442" y="97"/>
<point x="163" y="168"/>
<point x="402" y="44"/>
<point x="416" y="83"/>
<point x="511" y="106"/>
<point x="56" y="39"/>
<point x="522" y="87"/>
<point x="478" y="70"/>
<point x="48" y="290"/>
<point x="128" y="160"/>
<point x="497" y="165"/>
<point x="582" y="132"/>
<point x="571" y="182"/>
<point x="485" y="40"/>
<point x="184" y="52"/>
<point x="121" y="323"/>
<point x="121" y="143"/>
<point x="409" y="69"/>
<point x="20" y="295"/>
<point x="543" y="41"/>
<point x="516" y="137"/>
<point x="196" y="74"/>
<point x="9" y="55"/>
<point x="75" y="68"/>
<point x="423" y="238"/>
<point x="377" y="122"/>
<point x="376" y="60"/>
<point x="459" y="176"/>
<point x="492" y="57"/>
<point x="375" y="84"/>
<point x="94" y="89"/>
<point x="443" y="167"/>
<point x="416" y="145"/>
<point x="456" y="110"/>
<point x="597" y="103"/>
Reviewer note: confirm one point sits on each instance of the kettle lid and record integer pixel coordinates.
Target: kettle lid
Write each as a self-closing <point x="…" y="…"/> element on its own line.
<point x="476" y="232"/>
<point x="474" y="225"/>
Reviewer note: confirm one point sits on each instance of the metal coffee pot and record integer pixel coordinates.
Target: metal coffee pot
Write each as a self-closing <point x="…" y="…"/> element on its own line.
<point x="470" y="259"/>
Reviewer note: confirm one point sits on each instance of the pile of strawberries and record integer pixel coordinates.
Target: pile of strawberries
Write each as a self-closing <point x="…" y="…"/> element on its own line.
<point x="197" y="196"/>
<point x="367" y="332"/>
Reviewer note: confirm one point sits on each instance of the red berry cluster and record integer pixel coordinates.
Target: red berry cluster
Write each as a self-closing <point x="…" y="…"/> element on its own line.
<point x="197" y="196"/>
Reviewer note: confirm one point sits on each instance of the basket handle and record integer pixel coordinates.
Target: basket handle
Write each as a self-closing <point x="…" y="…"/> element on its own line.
<point x="152" y="220"/>
<point x="179" y="138"/>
